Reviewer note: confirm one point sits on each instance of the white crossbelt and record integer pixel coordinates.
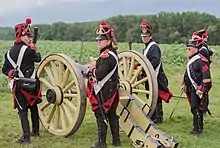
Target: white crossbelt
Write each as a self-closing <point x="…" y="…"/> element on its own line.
<point x="18" y="65"/>
<point x="188" y="71"/>
<point x="99" y="84"/>
<point x="145" y="54"/>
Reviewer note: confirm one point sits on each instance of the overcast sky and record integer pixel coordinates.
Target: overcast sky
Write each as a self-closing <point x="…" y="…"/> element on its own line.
<point x="49" y="11"/>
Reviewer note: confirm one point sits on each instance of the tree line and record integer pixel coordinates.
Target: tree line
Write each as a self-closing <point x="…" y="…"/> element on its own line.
<point x="169" y="28"/>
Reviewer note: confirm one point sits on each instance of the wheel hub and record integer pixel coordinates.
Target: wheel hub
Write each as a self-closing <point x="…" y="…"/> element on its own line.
<point x="55" y="95"/>
<point x="126" y="85"/>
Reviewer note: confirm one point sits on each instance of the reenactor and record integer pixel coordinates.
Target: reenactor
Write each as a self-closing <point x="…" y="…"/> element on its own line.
<point x="19" y="67"/>
<point x="196" y="82"/>
<point x="153" y="53"/>
<point x="207" y="53"/>
<point x="102" y="89"/>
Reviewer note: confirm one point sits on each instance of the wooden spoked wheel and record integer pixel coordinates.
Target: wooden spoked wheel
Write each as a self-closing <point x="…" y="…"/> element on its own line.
<point x="138" y="77"/>
<point x="64" y="98"/>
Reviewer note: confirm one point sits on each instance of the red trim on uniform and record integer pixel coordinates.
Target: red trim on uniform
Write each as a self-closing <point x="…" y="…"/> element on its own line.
<point x="32" y="46"/>
<point x="205" y="68"/>
<point x="203" y="58"/>
<point x="31" y="99"/>
<point x="94" y="101"/>
<point x="199" y="87"/>
<point x="107" y="105"/>
<point x="10" y="73"/>
<point x="165" y="95"/>
<point x="105" y="54"/>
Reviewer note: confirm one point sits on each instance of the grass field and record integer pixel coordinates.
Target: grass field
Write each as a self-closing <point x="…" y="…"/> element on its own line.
<point x="174" y="60"/>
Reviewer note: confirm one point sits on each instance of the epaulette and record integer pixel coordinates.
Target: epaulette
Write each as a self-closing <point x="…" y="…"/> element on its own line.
<point x="32" y="46"/>
<point x="203" y="58"/>
<point x="105" y="54"/>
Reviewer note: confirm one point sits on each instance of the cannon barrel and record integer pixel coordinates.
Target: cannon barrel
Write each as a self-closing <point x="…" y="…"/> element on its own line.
<point x="82" y="68"/>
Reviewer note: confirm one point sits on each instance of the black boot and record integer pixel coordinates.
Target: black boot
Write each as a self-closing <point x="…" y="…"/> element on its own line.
<point x="157" y="116"/>
<point x="160" y="112"/>
<point x="35" y="133"/>
<point x="25" y="127"/>
<point x="35" y="121"/>
<point x="200" y="121"/>
<point x="114" y="125"/>
<point x="102" y="132"/>
<point x="196" y="131"/>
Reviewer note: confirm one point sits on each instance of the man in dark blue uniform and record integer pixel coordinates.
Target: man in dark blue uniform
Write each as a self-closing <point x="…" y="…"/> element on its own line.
<point x="196" y="82"/>
<point x="102" y="89"/>
<point x="153" y="53"/>
<point x="207" y="53"/>
<point x="19" y="62"/>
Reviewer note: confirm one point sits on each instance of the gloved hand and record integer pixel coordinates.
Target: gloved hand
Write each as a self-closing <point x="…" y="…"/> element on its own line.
<point x="90" y="70"/>
<point x="199" y="92"/>
<point x="183" y="88"/>
<point x="11" y="74"/>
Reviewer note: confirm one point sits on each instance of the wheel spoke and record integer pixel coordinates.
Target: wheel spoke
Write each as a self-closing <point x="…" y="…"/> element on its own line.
<point x="69" y="86"/>
<point x="70" y="95"/>
<point x="139" y="82"/>
<point x="42" y="107"/>
<point x="67" y="113"/>
<point x="121" y="76"/>
<point x="65" y="78"/>
<point x="63" y="119"/>
<point x="125" y="64"/>
<point x="131" y="68"/>
<point x="44" y="81"/>
<point x="56" y="118"/>
<point x="138" y="99"/>
<point x="55" y="72"/>
<point x="50" y="75"/>
<point x="44" y="93"/>
<point x="137" y="73"/>
<point x="60" y="72"/>
<point x="140" y="91"/>
<point x="69" y="104"/>
<point x="51" y="114"/>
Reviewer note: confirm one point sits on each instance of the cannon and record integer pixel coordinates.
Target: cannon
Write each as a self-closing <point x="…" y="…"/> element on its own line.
<point x="64" y="98"/>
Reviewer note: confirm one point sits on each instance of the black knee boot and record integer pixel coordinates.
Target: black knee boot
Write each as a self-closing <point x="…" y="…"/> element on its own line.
<point x="102" y="132"/>
<point x="160" y="112"/>
<point x="25" y="127"/>
<point x="114" y="125"/>
<point x="200" y="121"/>
<point x="35" y="121"/>
<point x="157" y="116"/>
<point x="196" y="123"/>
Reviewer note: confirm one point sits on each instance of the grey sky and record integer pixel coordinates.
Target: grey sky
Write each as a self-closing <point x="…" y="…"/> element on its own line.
<point x="48" y="11"/>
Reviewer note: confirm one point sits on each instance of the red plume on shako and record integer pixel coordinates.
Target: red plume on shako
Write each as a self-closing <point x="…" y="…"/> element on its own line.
<point x="102" y="23"/>
<point x="23" y="29"/>
<point x="28" y="20"/>
<point x="146" y="28"/>
<point x="106" y="32"/>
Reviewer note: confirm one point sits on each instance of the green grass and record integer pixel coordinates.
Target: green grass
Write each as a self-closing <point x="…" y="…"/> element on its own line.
<point x="179" y="126"/>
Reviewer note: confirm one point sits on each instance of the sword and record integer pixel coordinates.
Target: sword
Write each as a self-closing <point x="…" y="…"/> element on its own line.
<point x="176" y="103"/>
<point x="100" y="106"/>
<point x="86" y="75"/>
<point x="206" y="107"/>
<point x="13" y="93"/>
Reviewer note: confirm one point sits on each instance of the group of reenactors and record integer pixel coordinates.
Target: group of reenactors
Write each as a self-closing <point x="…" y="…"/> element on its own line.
<point x="102" y="89"/>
